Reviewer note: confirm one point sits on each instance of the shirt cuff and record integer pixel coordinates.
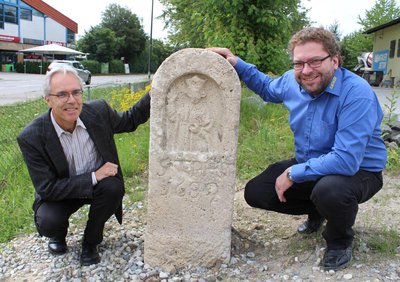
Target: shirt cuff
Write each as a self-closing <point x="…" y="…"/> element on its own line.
<point x="94" y="180"/>
<point x="297" y="172"/>
<point x="240" y="65"/>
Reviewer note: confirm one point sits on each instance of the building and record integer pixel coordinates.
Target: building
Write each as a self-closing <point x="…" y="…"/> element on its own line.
<point x="30" y="23"/>
<point x="386" y="58"/>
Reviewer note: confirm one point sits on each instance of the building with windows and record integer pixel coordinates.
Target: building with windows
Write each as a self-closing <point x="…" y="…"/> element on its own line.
<point x="386" y="58"/>
<point x="30" y="23"/>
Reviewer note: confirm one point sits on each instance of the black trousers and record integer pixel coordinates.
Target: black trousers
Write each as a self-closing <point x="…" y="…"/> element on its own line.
<point x="333" y="197"/>
<point x="51" y="218"/>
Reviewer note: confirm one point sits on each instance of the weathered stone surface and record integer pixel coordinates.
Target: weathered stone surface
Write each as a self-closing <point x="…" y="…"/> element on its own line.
<point x="194" y="124"/>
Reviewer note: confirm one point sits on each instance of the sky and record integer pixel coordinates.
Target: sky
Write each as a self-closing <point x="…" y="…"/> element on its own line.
<point x="346" y="12"/>
<point x="322" y="12"/>
<point x="88" y="13"/>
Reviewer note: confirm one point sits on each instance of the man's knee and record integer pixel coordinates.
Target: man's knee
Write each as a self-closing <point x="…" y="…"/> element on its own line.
<point x="250" y="194"/>
<point x="331" y="192"/>
<point x="258" y="196"/>
<point x="50" y="225"/>
<point x="111" y="188"/>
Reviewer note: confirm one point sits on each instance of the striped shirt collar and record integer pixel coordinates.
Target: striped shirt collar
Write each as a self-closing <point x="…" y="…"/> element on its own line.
<point x="59" y="130"/>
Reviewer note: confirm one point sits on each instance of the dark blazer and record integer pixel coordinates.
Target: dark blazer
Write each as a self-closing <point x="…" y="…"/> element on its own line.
<point x="45" y="159"/>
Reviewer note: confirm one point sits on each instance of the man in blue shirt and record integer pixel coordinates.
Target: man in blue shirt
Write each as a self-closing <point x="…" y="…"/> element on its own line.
<point x="339" y="153"/>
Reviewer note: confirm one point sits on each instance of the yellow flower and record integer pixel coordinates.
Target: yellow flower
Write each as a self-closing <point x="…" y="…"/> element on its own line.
<point x="123" y="99"/>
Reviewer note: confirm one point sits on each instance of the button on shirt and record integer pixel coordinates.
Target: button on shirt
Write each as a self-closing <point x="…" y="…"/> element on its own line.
<point x="80" y="152"/>
<point x="336" y="132"/>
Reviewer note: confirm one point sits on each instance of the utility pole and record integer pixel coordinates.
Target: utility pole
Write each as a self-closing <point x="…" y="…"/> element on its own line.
<point x="151" y="39"/>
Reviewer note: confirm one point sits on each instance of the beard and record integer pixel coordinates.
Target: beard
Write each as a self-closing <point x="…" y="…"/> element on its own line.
<point x="316" y="82"/>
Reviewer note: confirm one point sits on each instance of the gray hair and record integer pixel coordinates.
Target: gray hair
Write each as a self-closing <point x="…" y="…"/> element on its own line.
<point x="62" y="68"/>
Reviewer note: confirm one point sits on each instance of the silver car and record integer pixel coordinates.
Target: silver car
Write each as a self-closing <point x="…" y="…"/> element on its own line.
<point x="83" y="73"/>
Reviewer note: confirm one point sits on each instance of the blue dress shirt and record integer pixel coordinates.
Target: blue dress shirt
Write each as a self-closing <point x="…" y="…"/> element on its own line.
<point x="336" y="132"/>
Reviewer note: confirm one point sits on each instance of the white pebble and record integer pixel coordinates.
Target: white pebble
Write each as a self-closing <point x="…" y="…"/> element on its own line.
<point x="164" y="275"/>
<point x="348" y="276"/>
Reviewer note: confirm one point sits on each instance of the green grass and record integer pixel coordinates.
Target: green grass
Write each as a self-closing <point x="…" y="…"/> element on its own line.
<point x="264" y="135"/>
<point x="16" y="198"/>
<point x="385" y="242"/>
<point x="379" y="240"/>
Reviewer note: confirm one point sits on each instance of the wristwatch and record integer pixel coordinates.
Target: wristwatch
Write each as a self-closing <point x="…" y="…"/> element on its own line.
<point x="289" y="174"/>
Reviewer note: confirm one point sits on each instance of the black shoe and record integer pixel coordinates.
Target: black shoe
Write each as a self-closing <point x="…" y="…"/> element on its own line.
<point x="89" y="254"/>
<point x="57" y="246"/>
<point x="337" y="259"/>
<point x="310" y="226"/>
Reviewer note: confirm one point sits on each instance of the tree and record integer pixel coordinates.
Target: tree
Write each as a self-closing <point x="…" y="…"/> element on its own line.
<point x="101" y="43"/>
<point x="335" y="29"/>
<point x="382" y="12"/>
<point x="160" y="51"/>
<point x="352" y="46"/>
<point x="357" y="42"/>
<point x="257" y="30"/>
<point x="127" y="27"/>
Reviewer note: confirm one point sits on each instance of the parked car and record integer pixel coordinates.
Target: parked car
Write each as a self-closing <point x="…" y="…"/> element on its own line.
<point x="83" y="73"/>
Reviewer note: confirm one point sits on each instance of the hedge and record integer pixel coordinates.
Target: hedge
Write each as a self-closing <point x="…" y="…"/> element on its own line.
<point x="32" y="67"/>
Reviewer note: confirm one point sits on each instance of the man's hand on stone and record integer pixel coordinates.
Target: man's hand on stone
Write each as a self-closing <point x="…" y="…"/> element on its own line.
<point x="226" y="53"/>
<point x="282" y="183"/>
<point x="107" y="170"/>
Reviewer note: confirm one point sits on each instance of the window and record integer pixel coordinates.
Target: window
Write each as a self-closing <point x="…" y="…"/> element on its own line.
<point x="70" y="36"/>
<point x="10" y="14"/>
<point x="1" y="17"/>
<point x="37" y="13"/>
<point x="392" y="48"/>
<point x="398" y="48"/>
<point x="11" y="1"/>
<point x="26" y="14"/>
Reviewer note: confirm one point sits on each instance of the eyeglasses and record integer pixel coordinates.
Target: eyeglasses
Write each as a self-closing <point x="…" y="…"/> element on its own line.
<point x="64" y="95"/>
<point x="313" y="63"/>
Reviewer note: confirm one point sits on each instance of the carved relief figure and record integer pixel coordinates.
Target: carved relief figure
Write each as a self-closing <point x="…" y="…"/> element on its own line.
<point x="192" y="116"/>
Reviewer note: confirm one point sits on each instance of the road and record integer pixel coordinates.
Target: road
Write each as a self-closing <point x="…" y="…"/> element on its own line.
<point x="19" y="87"/>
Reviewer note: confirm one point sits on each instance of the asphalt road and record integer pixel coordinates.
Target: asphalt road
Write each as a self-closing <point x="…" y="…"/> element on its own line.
<point x="19" y="87"/>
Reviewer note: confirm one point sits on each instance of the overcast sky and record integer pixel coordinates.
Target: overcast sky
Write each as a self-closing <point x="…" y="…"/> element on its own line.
<point x="88" y="13"/>
<point x="323" y="12"/>
<point x="346" y="12"/>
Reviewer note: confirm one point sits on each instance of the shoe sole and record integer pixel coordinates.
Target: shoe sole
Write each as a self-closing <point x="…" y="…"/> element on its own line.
<point x="89" y="263"/>
<point x="57" y="253"/>
<point x="343" y="266"/>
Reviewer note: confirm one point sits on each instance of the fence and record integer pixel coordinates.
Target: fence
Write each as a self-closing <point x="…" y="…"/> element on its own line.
<point x="13" y="118"/>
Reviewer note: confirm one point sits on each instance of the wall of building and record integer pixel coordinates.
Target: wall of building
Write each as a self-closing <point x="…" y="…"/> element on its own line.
<point x="55" y="32"/>
<point x="10" y="29"/>
<point x="382" y="39"/>
<point x="33" y="29"/>
<point x="47" y="26"/>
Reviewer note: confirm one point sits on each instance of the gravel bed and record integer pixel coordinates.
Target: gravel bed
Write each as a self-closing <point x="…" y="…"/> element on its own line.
<point x="265" y="247"/>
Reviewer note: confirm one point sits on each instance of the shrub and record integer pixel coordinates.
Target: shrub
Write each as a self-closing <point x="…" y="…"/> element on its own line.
<point x="93" y="66"/>
<point x="32" y="67"/>
<point x="116" y="66"/>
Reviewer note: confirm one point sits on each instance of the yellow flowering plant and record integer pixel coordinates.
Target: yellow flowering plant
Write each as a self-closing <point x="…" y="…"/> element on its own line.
<point x="125" y="98"/>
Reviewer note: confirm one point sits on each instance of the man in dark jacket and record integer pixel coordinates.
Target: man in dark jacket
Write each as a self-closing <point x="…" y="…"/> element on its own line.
<point x="72" y="160"/>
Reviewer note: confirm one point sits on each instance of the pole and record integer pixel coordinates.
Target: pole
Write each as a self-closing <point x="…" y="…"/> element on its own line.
<point x="151" y="39"/>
